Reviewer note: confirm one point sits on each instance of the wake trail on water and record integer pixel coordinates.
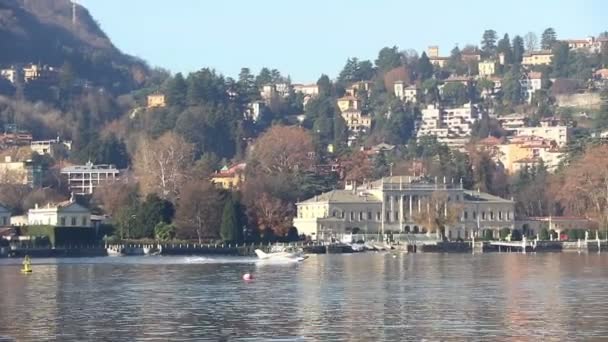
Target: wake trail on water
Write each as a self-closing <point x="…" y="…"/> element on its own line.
<point x="244" y="260"/>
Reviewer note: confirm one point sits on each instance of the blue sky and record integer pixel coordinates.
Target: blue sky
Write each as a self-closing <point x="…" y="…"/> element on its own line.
<point x="307" y="38"/>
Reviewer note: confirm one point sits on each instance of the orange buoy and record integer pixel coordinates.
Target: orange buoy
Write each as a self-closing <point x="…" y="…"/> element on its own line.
<point x="247" y="277"/>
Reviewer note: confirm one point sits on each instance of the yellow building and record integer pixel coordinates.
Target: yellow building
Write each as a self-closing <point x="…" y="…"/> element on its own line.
<point x="528" y="151"/>
<point x="487" y="68"/>
<point x="359" y="86"/>
<point x="434" y="58"/>
<point x="542" y="57"/>
<point x="348" y="102"/>
<point x="20" y="172"/>
<point x="230" y="178"/>
<point x="356" y="121"/>
<point x="156" y="100"/>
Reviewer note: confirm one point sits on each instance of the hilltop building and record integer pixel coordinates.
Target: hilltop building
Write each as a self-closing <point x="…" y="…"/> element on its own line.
<point x="452" y="126"/>
<point x="230" y="178"/>
<point x="542" y="57"/>
<point x="156" y="100"/>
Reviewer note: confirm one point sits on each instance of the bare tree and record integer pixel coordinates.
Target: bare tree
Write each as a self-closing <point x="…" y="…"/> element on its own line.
<point x="284" y="149"/>
<point x="437" y="213"/>
<point x="531" y="41"/>
<point x="582" y="189"/>
<point x="357" y="167"/>
<point x="114" y="196"/>
<point x="199" y="211"/>
<point x="162" y="165"/>
<point x="41" y="197"/>
<point x="13" y="195"/>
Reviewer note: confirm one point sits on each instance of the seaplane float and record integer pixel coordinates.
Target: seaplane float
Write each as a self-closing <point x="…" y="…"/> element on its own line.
<point x="281" y="254"/>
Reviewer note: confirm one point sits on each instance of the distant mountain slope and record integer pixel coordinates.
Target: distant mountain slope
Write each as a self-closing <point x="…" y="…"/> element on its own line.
<point x="43" y="31"/>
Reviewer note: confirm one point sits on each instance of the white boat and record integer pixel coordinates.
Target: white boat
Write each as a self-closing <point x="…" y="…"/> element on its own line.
<point x="358" y="247"/>
<point x="285" y="255"/>
<point x="113" y="251"/>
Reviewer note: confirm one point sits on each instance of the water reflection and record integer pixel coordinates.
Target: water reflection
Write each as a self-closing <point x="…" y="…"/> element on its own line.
<point x="366" y="297"/>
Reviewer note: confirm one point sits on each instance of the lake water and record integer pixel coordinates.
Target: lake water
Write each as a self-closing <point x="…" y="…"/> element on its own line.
<point x="362" y="297"/>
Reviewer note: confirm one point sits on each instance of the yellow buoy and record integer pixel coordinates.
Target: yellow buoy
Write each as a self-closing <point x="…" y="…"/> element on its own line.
<point x="27" y="265"/>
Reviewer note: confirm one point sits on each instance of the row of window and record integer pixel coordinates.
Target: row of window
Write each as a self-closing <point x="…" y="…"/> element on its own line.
<point x="489" y="216"/>
<point x="73" y="221"/>
<point x="369" y="216"/>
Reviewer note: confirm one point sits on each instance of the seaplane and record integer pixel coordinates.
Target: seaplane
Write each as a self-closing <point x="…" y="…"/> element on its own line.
<point x="283" y="255"/>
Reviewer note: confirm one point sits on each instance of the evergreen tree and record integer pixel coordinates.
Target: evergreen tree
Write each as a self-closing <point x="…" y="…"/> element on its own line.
<point x="511" y="87"/>
<point x="560" y="60"/>
<point x="424" y="67"/>
<point x="176" y="91"/>
<point x="518" y="49"/>
<point x="548" y="38"/>
<point x="230" y="230"/>
<point x="324" y="85"/>
<point x="263" y="78"/>
<point x="349" y="72"/>
<point x="488" y="42"/>
<point x="504" y="47"/>
<point x="388" y="58"/>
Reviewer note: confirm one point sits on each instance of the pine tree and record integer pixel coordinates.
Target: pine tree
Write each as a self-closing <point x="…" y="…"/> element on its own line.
<point x="425" y="68"/>
<point x="504" y="47"/>
<point x="176" y="91"/>
<point x="229" y="230"/>
<point x="548" y="38"/>
<point x="488" y="42"/>
<point x="518" y="49"/>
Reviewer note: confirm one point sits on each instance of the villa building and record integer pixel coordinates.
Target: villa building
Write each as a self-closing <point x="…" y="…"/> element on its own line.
<point x="542" y="57"/>
<point x="307" y="89"/>
<point x="487" y="68"/>
<point x="452" y="126"/>
<point x="560" y="135"/>
<point x="393" y="204"/>
<point x="156" y="100"/>
<point x="64" y="214"/>
<point x="406" y="93"/>
<point x="84" y="179"/>
<point x="434" y="58"/>
<point x="230" y="177"/>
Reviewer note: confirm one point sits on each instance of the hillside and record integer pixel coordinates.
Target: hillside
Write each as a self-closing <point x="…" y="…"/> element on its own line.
<point x="44" y="32"/>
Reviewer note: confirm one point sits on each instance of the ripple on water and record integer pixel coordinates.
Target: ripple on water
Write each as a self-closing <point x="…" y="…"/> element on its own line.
<point x="363" y="297"/>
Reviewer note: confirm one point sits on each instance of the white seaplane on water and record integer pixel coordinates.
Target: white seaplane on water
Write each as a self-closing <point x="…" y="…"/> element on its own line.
<point x="281" y="254"/>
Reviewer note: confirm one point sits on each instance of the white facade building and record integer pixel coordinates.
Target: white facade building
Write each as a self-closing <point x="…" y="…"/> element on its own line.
<point x="11" y="74"/>
<point x="530" y="83"/>
<point x="559" y="134"/>
<point x="451" y="126"/>
<point x="406" y="93"/>
<point x="83" y="179"/>
<point x="65" y="214"/>
<point x="307" y="89"/>
<point x="392" y="205"/>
